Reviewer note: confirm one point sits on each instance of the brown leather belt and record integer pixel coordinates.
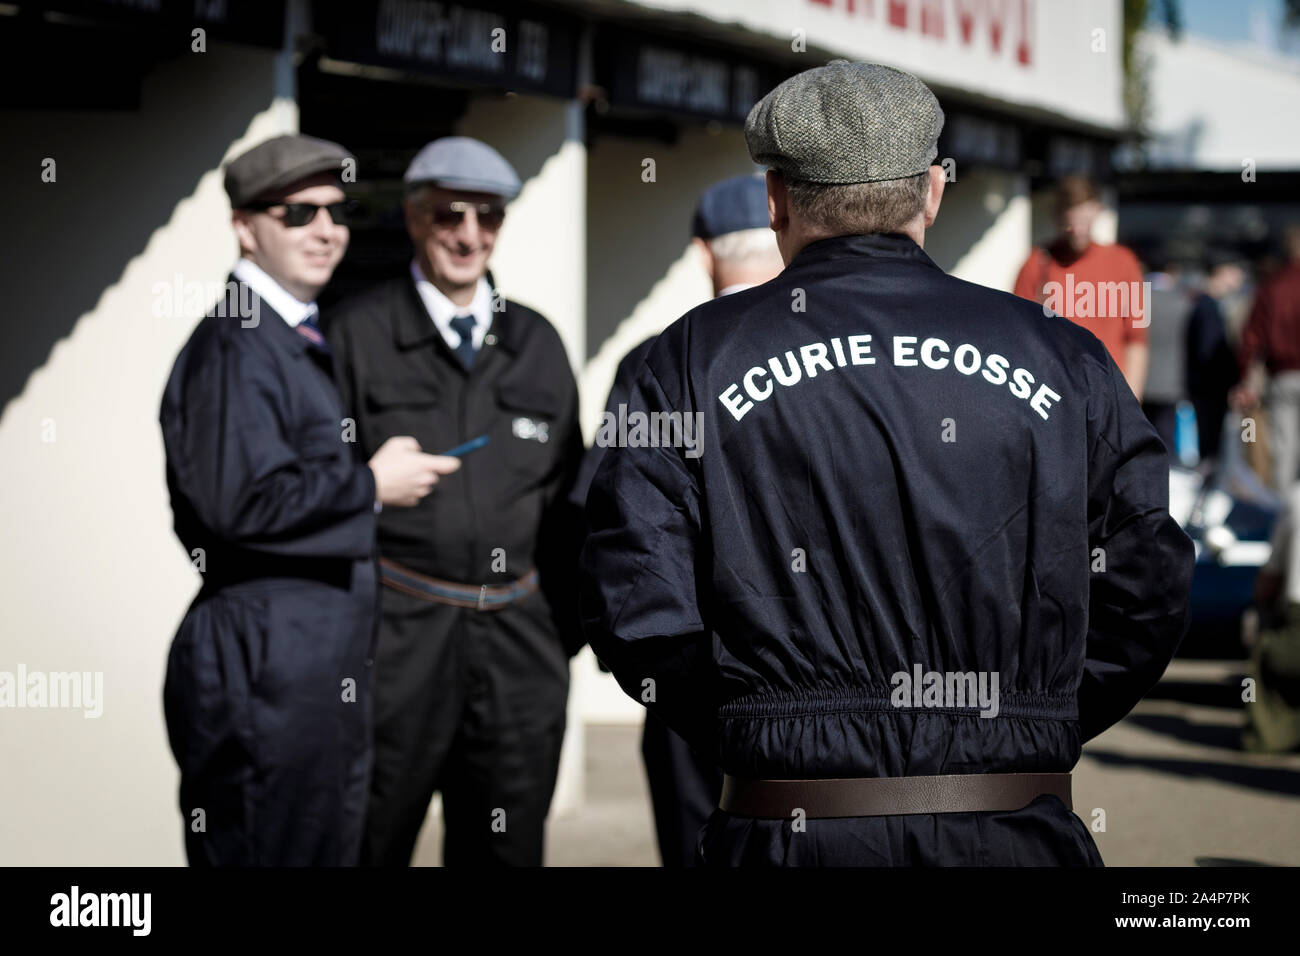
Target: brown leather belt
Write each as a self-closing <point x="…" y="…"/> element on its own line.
<point x="889" y="796"/>
<point x="481" y="597"/>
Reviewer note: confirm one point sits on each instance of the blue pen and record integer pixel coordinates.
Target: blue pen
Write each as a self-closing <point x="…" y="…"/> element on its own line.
<point x="474" y="444"/>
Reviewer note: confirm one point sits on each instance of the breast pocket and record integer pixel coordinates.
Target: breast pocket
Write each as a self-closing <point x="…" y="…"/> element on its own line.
<point x="403" y="408"/>
<point x="530" y="434"/>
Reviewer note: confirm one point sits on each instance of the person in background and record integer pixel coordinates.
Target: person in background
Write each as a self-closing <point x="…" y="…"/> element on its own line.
<point x="738" y="251"/>
<point x="1270" y="351"/>
<point x="1212" y="370"/>
<point x="478" y="618"/>
<point x="268" y="680"/>
<point x="1074" y="262"/>
<point x="1166" y="376"/>
<point x="770" y="598"/>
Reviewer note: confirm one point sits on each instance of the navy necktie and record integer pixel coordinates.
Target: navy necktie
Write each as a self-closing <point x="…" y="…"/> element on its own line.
<point x="463" y="325"/>
<point x="310" y="331"/>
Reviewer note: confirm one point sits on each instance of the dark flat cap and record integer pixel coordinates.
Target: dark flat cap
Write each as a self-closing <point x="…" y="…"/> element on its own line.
<point x="730" y="206"/>
<point x="846" y="123"/>
<point x="279" y="162"/>
<point x="458" y="162"/>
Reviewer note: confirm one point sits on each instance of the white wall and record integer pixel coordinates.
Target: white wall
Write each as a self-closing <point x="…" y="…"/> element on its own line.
<point x="1215" y="105"/>
<point x="983" y="230"/>
<point x="94" y="578"/>
<point x="541" y="254"/>
<point x="642" y="272"/>
<point x="1073" y="47"/>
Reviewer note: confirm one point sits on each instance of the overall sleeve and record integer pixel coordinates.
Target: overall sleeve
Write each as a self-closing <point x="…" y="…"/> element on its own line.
<point x="1137" y="610"/>
<point x="245" y="478"/>
<point x="560" y="536"/>
<point x="340" y="342"/>
<point x="618" y="393"/>
<point x="639" y="589"/>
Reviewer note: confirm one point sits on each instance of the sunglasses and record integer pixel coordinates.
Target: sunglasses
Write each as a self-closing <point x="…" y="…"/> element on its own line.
<point x="301" y="213"/>
<point x="490" y="215"/>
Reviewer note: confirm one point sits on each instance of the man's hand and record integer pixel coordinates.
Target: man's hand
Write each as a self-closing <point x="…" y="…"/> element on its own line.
<point x="1243" y="398"/>
<point x="1137" y="357"/>
<point x="404" y="474"/>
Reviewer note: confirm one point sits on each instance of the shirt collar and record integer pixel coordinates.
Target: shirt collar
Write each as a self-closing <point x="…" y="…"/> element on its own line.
<point x="735" y="287"/>
<point x="292" y="310"/>
<point x="442" y="310"/>
<point x="876" y="245"/>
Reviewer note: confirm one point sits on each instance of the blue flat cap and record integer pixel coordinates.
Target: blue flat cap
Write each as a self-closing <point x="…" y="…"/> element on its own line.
<point x="458" y="162"/>
<point x="731" y="206"/>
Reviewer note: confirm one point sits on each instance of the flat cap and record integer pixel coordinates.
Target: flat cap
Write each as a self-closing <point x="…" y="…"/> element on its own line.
<point x="279" y="162"/>
<point x="458" y="162"/>
<point x="732" y="205"/>
<point x="846" y="123"/>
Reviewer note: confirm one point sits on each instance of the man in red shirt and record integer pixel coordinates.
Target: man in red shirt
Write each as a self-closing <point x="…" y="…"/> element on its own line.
<point x="1270" y="345"/>
<point x="1095" y="285"/>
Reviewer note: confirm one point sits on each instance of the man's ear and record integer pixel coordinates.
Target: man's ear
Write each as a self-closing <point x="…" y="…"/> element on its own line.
<point x="243" y="232"/>
<point x="413" y="214"/>
<point x="706" y="255"/>
<point x="934" y="196"/>
<point x="778" y="202"/>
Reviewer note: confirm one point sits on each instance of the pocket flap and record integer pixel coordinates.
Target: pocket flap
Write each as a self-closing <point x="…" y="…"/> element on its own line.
<point x="412" y="394"/>
<point x="529" y="397"/>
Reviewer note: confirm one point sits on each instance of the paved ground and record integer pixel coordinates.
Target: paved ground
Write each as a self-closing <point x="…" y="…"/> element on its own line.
<point x="1175" y="788"/>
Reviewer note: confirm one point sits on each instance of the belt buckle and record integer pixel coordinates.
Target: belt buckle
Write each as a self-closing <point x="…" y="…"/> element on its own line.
<point x="482" y="597"/>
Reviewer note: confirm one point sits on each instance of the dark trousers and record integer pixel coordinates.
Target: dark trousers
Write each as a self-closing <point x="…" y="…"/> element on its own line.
<point x="1209" y="424"/>
<point x="684" y="790"/>
<point x="470" y="704"/>
<point x="268" y="707"/>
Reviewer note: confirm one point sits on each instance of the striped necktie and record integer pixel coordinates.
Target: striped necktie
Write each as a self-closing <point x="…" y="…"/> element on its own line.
<point x="310" y="331"/>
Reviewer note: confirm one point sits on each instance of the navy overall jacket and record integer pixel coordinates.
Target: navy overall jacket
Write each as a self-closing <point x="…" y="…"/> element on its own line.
<point x="884" y="522"/>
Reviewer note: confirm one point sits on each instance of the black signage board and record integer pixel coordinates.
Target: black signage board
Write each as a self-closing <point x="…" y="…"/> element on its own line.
<point x="674" y="76"/>
<point x="254" y="22"/>
<point x="1053" y="153"/>
<point x="521" y="47"/>
<point x="974" y="139"/>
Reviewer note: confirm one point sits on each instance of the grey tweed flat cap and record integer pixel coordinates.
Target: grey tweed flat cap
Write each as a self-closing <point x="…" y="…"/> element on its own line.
<point x="459" y="162"/>
<point x="846" y="123"/>
<point x="279" y="162"/>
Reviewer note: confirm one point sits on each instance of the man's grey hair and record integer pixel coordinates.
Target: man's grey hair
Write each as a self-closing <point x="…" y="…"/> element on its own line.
<point x="860" y="208"/>
<point x="419" y="192"/>
<point x="745" y="246"/>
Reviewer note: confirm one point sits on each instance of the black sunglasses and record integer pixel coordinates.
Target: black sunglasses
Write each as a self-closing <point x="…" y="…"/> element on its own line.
<point x="490" y="215"/>
<point x="301" y="213"/>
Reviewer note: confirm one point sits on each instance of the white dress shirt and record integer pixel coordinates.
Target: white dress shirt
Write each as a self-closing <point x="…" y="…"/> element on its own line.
<point x="735" y="287"/>
<point x="269" y="291"/>
<point x="292" y="310"/>
<point x="442" y="310"/>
